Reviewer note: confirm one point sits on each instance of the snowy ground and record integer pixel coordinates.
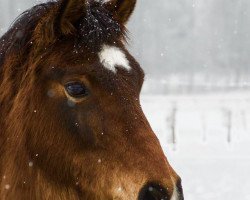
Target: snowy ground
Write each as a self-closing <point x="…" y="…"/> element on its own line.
<point x="212" y="142"/>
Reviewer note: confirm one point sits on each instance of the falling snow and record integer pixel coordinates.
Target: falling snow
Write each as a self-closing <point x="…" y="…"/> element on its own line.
<point x="190" y="47"/>
<point x="194" y="131"/>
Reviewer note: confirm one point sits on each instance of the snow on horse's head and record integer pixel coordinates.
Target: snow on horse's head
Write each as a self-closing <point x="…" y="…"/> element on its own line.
<point x="71" y="121"/>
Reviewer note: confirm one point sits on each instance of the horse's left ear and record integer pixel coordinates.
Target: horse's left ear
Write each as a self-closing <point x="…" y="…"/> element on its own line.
<point x="69" y="12"/>
<point x="60" y="21"/>
<point x="121" y="9"/>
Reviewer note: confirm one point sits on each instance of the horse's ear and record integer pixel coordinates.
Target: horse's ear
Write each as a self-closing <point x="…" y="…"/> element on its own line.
<point x="121" y="9"/>
<point x="70" y="11"/>
<point x="60" y="21"/>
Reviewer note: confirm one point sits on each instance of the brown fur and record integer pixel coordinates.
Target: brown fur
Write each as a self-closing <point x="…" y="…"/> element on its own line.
<point x="50" y="150"/>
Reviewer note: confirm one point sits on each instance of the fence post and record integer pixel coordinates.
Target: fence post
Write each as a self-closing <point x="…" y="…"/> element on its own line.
<point x="172" y="123"/>
<point x="204" y="127"/>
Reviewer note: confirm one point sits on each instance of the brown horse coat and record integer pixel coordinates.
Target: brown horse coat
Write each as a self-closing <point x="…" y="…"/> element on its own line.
<point x="71" y="125"/>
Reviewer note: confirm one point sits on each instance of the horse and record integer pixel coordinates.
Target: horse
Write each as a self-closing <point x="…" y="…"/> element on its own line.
<point x="71" y="124"/>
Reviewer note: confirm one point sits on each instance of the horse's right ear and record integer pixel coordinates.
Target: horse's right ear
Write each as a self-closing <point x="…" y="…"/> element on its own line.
<point x="121" y="9"/>
<point x="60" y="21"/>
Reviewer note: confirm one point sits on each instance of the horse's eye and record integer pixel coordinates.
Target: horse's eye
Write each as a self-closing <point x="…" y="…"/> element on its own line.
<point x="76" y="89"/>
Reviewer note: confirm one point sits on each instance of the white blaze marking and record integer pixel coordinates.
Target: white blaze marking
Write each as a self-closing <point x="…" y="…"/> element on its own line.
<point x="111" y="57"/>
<point x="175" y="195"/>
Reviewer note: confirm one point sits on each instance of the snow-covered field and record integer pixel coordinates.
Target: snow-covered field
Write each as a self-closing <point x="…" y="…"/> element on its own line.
<point x="211" y="136"/>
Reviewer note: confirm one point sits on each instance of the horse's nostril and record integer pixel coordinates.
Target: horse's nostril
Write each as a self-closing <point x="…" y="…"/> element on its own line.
<point x="153" y="191"/>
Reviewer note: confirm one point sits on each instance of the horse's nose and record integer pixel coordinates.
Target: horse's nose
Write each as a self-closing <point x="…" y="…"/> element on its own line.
<point x="153" y="191"/>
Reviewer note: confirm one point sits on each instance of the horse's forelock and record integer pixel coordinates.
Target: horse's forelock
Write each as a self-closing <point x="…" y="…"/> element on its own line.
<point x="98" y="27"/>
<point x="89" y="25"/>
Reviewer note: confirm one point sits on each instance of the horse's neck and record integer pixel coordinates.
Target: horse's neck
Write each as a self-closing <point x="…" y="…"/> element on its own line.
<point x="21" y="179"/>
<point x="15" y="173"/>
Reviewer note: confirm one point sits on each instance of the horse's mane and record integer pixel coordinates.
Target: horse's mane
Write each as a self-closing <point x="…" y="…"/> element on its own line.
<point x="16" y="39"/>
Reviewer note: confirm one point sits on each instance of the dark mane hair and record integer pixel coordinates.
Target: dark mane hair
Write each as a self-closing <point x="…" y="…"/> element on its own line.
<point x="98" y="27"/>
<point x="17" y="39"/>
